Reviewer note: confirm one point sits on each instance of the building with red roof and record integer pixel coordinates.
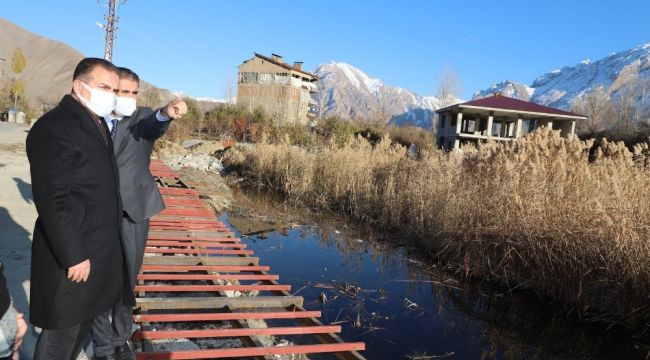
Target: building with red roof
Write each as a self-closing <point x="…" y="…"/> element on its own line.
<point x="499" y="118"/>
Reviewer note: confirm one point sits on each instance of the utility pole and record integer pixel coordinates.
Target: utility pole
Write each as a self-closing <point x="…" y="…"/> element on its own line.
<point x="111" y="28"/>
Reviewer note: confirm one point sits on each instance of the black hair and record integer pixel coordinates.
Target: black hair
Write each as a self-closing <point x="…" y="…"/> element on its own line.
<point x="87" y="65"/>
<point x="128" y="74"/>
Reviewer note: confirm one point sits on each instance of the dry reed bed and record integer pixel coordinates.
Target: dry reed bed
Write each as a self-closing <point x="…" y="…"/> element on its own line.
<point x="534" y="213"/>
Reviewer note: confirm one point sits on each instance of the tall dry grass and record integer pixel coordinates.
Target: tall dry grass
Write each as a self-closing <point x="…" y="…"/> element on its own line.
<point x="538" y="213"/>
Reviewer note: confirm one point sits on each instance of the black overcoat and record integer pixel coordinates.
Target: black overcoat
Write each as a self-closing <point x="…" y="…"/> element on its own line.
<point x="75" y="184"/>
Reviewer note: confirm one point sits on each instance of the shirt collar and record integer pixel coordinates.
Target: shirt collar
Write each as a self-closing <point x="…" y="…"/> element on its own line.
<point x="112" y="116"/>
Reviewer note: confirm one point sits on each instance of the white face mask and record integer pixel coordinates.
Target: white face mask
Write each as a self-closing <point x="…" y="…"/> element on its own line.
<point x="101" y="102"/>
<point x="125" y="106"/>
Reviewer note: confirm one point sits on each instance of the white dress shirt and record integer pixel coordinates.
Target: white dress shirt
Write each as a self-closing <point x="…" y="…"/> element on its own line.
<point x="108" y="119"/>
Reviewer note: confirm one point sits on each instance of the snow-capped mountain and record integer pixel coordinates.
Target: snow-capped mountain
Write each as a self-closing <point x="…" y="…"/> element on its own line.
<point x="349" y="93"/>
<point x="507" y="88"/>
<point x="559" y="88"/>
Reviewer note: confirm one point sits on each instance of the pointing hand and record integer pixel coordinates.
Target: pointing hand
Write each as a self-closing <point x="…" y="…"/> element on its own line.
<point x="175" y="109"/>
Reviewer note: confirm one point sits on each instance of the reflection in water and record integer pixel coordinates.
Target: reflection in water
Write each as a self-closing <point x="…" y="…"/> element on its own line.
<point x="404" y="307"/>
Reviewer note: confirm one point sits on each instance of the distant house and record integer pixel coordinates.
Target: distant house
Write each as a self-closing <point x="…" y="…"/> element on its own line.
<point x="500" y="118"/>
<point x="281" y="90"/>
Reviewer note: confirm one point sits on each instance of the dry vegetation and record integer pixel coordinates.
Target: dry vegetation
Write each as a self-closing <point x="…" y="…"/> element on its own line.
<point x="562" y="217"/>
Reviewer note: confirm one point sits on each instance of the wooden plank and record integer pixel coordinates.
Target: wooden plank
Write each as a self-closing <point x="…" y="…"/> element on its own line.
<point x="170" y="200"/>
<point x="182" y="203"/>
<point x="221" y="268"/>
<point x="200" y="244"/>
<point x="189" y="228"/>
<point x="209" y="288"/>
<point x="198" y="277"/>
<point x="230" y="332"/>
<point x="225" y="316"/>
<point x="188" y="212"/>
<point x="193" y="234"/>
<point x="192" y="238"/>
<point x="173" y="225"/>
<point x="196" y="260"/>
<point x="178" y="201"/>
<point x="151" y="250"/>
<point x="177" y="191"/>
<point x="222" y="239"/>
<point x="242" y="302"/>
<point x="177" y="217"/>
<point x="250" y="351"/>
<point x="167" y="174"/>
<point x="195" y="221"/>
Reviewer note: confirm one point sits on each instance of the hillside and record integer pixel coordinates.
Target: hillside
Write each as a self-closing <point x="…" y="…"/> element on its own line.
<point x="50" y="65"/>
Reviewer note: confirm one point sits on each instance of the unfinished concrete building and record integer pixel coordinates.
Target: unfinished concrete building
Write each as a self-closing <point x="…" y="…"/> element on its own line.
<point x="499" y="118"/>
<point x="283" y="91"/>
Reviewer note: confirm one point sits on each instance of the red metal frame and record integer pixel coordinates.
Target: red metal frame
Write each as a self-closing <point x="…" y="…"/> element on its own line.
<point x="250" y="351"/>
<point x="188" y="228"/>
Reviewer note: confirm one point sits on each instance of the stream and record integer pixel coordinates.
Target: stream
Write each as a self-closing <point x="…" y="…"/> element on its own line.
<point x="384" y="293"/>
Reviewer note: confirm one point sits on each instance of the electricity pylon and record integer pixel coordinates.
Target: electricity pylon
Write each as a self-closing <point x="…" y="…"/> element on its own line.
<point x="111" y="28"/>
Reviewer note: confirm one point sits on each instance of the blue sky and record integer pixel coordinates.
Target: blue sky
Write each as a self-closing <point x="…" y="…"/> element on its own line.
<point x="195" y="46"/>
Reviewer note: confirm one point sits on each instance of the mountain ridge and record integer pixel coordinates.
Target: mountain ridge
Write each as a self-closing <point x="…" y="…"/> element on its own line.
<point x="562" y="87"/>
<point x="347" y="92"/>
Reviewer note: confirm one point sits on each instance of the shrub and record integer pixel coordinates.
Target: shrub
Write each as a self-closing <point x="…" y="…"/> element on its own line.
<point x="538" y="212"/>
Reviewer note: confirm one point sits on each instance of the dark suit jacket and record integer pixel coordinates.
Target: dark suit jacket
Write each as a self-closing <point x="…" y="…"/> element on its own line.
<point x="133" y="145"/>
<point x="75" y="188"/>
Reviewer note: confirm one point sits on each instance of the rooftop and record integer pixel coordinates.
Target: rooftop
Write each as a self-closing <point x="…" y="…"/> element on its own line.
<point x="284" y="65"/>
<point x="500" y="102"/>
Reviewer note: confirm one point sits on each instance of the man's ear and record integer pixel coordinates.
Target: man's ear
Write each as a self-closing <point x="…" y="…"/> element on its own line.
<point x="76" y="86"/>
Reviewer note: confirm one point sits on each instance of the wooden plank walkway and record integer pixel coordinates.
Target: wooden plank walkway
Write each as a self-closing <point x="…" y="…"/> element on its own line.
<point x="198" y="281"/>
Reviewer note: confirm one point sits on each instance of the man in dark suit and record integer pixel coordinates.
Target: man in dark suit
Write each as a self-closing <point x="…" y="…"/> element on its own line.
<point x="134" y="131"/>
<point x="77" y="269"/>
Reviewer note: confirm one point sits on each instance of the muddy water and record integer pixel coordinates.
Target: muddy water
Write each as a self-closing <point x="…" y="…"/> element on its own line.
<point x="402" y="305"/>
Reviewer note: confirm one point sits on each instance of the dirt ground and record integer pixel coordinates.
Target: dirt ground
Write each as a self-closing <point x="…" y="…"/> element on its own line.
<point x="17" y="217"/>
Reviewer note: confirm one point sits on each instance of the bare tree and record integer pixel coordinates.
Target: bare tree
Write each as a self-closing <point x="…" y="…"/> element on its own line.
<point x="322" y="97"/>
<point x="643" y="87"/>
<point x="449" y="86"/>
<point x="598" y="106"/>
<point x="626" y="109"/>
<point x="230" y="90"/>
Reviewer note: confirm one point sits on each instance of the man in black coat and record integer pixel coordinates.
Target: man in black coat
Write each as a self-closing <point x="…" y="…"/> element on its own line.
<point x="77" y="269"/>
<point x="134" y="132"/>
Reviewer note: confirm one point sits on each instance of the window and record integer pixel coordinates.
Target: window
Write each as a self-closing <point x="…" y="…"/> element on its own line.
<point x="442" y="121"/>
<point x="282" y="79"/>
<point x="266" y="78"/>
<point x="247" y="78"/>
